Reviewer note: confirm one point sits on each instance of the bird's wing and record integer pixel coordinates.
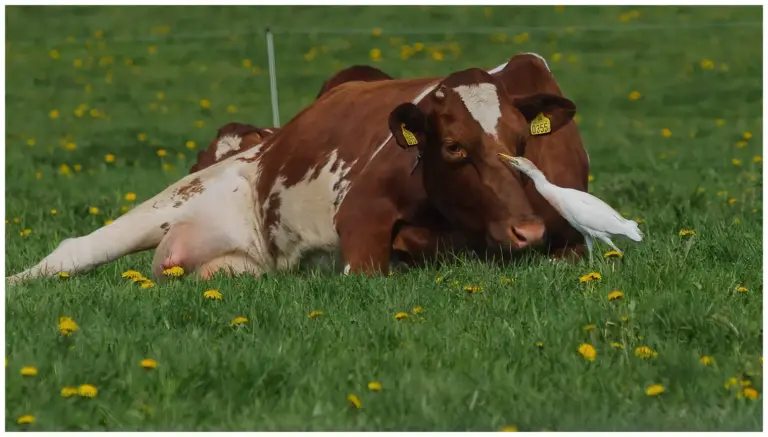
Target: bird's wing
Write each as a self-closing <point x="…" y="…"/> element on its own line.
<point x="591" y="212"/>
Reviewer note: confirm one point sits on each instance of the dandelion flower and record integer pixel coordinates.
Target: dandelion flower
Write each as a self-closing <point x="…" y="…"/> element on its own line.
<point x="401" y="315"/>
<point x="508" y="428"/>
<point x="110" y="158"/>
<point x="666" y="133"/>
<point x="589" y="277"/>
<point x="146" y="283"/>
<point x="54" y="114"/>
<point x="615" y="294"/>
<point x="645" y="352"/>
<point x="613" y="254"/>
<point x="589" y="327"/>
<point x="374" y="386"/>
<point x="472" y="289"/>
<point x="540" y="344"/>
<point x="654" y="390"/>
<point x="87" y="391"/>
<point x="617" y="345"/>
<point x="29" y="371"/>
<point x="757" y="159"/>
<point x="142" y="137"/>
<point x="239" y="320"/>
<point x="736" y="162"/>
<point x="687" y="232"/>
<point x="232" y="109"/>
<point x="438" y="280"/>
<point x="205" y="103"/>
<point x="375" y="55"/>
<point x="418" y="309"/>
<point x="747" y="135"/>
<point x="26" y="419"/>
<point x="376" y="31"/>
<point x="148" y="363"/>
<point x="750" y="393"/>
<point x="174" y="272"/>
<point x="199" y="123"/>
<point x="706" y="360"/>
<point x="742" y="289"/>
<point x="354" y="401"/>
<point x="587" y="351"/>
<point x="93" y="210"/>
<point x="161" y="153"/>
<point x="191" y="145"/>
<point x="131" y="274"/>
<point x="130" y="197"/>
<point x="634" y="95"/>
<point x="25" y="232"/>
<point x="54" y="212"/>
<point x="213" y="295"/>
<point x="68" y="392"/>
<point x="67" y="325"/>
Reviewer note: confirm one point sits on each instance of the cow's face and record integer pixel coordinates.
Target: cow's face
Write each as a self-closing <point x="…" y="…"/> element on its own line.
<point x="459" y="129"/>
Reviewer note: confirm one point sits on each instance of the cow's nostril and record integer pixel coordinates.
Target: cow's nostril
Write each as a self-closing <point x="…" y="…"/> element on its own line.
<point x="520" y="236"/>
<point x="528" y="234"/>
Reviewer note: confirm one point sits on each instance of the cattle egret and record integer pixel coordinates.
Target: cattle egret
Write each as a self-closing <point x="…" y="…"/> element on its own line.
<point x="585" y="212"/>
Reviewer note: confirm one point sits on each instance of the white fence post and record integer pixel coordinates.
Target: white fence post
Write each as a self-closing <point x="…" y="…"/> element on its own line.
<point x="272" y="78"/>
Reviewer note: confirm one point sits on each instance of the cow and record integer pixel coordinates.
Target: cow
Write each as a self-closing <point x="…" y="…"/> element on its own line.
<point x="561" y="156"/>
<point x="334" y="179"/>
<point x="234" y="138"/>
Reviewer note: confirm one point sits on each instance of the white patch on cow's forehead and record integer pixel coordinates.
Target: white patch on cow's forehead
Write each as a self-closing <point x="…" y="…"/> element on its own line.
<point x="540" y="57"/>
<point x="227" y="144"/>
<point x="307" y="211"/>
<point x="482" y="102"/>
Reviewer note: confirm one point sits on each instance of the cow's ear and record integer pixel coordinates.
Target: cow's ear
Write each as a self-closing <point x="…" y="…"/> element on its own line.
<point x="545" y="113"/>
<point x="408" y="125"/>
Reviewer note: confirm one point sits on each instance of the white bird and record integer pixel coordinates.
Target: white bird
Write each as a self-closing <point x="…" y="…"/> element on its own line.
<point x="585" y="212"/>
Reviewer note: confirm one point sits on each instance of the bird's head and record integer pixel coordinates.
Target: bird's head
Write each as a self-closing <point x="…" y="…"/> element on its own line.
<point x="520" y="163"/>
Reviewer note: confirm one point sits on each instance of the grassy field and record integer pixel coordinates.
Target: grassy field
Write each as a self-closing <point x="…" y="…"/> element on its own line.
<point x="670" y="109"/>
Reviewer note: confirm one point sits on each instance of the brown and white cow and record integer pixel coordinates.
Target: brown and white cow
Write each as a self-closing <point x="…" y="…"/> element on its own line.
<point x="333" y="178"/>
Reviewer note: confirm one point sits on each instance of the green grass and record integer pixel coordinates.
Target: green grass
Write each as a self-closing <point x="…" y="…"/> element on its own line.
<point x="472" y="363"/>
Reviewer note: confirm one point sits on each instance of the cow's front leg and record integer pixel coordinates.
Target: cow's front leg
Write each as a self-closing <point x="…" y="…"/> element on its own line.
<point x="366" y="238"/>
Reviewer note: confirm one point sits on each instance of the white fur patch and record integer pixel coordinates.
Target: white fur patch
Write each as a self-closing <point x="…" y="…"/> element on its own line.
<point x="482" y="102"/>
<point x="497" y="69"/>
<point x="347" y="268"/>
<point x="307" y="211"/>
<point x="227" y="144"/>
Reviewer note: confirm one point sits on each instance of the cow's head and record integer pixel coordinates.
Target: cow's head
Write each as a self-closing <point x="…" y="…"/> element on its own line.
<point x="459" y="128"/>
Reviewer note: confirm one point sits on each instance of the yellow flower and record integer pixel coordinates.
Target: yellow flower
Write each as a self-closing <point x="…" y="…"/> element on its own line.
<point x="63" y="275"/>
<point x="54" y="114"/>
<point x="736" y="162"/>
<point x="71" y="145"/>
<point x="645" y="352"/>
<point x="26" y="419"/>
<point x="687" y="232"/>
<point x="707" y="64"/>
<point x="142" y="137"/>
<point x="741" y="144"/>
<point x="175" y="271"/>
<point x="654" y="390"/>
<point x="146" y="283"/>
<point x="199" y="123"/>
<point x="591" y="178"/>
<point x="666" y="133"/>
<point x="613" y="254"/>
<point x="589" y="327"/>
<point x="131" y="274"/>
<point x="31" y="142"/>
<point x="706" y="360"/>
<point x="757" y="159"/>
<point x="130" y="197"/>
<point x="213" y="295"/>
<point x="93" y="210"/>
<point x="437" y="56"/>
<point x="354" y="401"/>
<point x="29" y="371"/>
<point x="109" y="158"/>
<point x="148" y="363"/>
<point x="67" y="325"/>
<point x="315" y="314"/>
<point x="375" y="55"/>
<point x="54" y="212"/>
<point x="191" y="145"/>
<point x="720" y="122"/>
<point x="25" y="232"/>
<point x="152" y="50"/>
<point x="205" y="103"/>
<point x="587" y="351"/>
<point x="634" y="95"/>
<point x="472" y="289"/>
<point x="742" y="289"/>
<point x="539" y="344"/>
<point x="556" y="57"/>
<point x="239" y="320"/>
<point x="232" y="109"/>
<point x="417" y="309"/>
<point x="401" y="315"/>
<point x="509" y="428"/>
<point x="374" y="386"/>
<point x="68" y="392"/>
<point x="589" y="277"/>
<point x="438" y="280"/>
<point x="617" y="345"/>
<point x="750" y="393"/>
<point x="747" y="135"/>
<point x="246" y="63"/>
<point x="376" y="31"/>
<point x="161" y="152"/>
<point x="615" y="294"/>
<point x="732" y="200"/>
<point x="87" y="391"/>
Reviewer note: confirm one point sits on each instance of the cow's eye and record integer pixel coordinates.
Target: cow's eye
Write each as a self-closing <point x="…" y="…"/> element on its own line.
<point x="454" y="151"/>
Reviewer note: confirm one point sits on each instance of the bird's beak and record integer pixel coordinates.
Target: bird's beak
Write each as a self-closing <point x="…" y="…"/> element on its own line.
<point x="509" y="159"/>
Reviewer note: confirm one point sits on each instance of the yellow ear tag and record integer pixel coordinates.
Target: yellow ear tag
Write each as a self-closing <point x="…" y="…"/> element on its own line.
<point x="410" y="138"/>
<point x="540" y="125"/>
